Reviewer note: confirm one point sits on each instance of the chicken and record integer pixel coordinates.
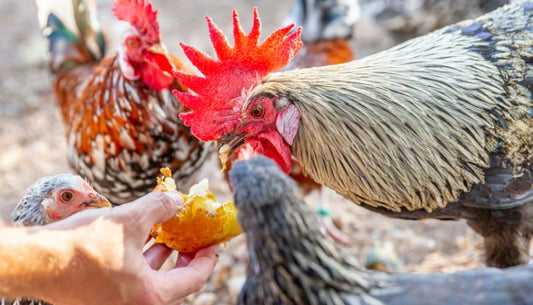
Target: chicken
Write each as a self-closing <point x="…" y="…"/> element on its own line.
<point x="51" y="199"/>
<point x="405" y="19"/>
<point x="327" y="30"/>
<point x="54" y="198"/>
<point x="121" y="121"/>
<point x="437" y="127"/>
<point x="292" y="262"/>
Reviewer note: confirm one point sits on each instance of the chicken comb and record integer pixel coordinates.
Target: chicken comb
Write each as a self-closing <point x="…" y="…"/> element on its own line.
<point x="140" y="15"/>
<point x="215" y="104"/>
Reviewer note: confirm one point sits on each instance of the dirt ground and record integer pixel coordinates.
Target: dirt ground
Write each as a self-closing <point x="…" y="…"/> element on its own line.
<point x="32" y="142"/>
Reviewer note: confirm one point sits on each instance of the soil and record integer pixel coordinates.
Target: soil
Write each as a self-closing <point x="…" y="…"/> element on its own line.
<point x="33" y="144"/>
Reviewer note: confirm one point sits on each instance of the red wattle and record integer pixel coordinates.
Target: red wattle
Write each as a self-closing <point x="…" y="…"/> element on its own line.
<point x="272" y="145"/>
<point x="156" y="71"/>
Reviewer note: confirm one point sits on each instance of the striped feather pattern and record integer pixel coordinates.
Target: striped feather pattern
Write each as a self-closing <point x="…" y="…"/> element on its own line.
<point x="123" y="131"/>
<point x="412" y="127"/>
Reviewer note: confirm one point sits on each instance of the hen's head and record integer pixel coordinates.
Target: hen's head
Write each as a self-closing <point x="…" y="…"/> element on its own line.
<point x="56" y="197"/>
<point x="221" y="108"/>
<point x="141" y="55"/>
<point x="257" y="183"/>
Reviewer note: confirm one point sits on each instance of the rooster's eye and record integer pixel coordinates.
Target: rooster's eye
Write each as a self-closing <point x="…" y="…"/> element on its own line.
<point x="67" y="196"/>
<point x="131" y="42"/>
<point x="257" y="111"/>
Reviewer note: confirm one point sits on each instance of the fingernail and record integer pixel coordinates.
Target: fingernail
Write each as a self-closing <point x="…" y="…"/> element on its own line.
<point x="175" y="197"/>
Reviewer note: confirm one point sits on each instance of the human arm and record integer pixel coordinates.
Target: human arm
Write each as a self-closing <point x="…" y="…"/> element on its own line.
<point x="95" y="257"/>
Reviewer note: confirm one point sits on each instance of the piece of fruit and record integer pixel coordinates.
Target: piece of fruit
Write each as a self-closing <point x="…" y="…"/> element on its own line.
<point x="200" y="223"/>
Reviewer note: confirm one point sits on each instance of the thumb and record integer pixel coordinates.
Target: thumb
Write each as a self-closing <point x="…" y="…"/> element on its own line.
<point x="152" y="208"/>
<point x="161" y="207"/>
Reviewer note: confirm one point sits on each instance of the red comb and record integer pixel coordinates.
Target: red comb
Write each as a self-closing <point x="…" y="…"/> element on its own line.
<point x="140" y="15"/>
<point x="236" y="70"/>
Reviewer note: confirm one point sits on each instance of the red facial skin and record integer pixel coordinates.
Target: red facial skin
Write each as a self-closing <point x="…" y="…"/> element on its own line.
<point x="270" y="131"/>
<point x="147" y="61"/>
<point x="75" y="198"/>
<point x="216" y="106"/>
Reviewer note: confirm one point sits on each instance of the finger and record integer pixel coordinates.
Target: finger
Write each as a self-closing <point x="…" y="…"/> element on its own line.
<point x="180" y="282"/>
<point x="79" y="219"/>
<point x="150" y="209"/>
<point x="184" y="259"/>
<point x="156" y="255"/>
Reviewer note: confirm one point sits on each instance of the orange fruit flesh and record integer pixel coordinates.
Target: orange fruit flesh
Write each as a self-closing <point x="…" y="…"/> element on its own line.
<point x="200" y="223"/>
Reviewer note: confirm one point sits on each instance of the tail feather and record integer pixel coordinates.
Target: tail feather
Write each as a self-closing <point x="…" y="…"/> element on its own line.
<point x="89" y="26"/>
<point x="73" y="31"/>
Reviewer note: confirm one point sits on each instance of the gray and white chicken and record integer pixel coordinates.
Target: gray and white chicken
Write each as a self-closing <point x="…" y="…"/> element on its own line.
<point x="440" y="126"/>
<point x="292" y="262"/>
<point x="51" y="199"/>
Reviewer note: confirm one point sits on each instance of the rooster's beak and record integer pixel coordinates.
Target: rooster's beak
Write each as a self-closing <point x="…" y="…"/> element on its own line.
<point x="228" y="145"/>
<point x="96" y="201"/>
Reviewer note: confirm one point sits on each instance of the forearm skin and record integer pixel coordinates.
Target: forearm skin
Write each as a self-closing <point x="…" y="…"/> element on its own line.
<point x="30" y="259"/>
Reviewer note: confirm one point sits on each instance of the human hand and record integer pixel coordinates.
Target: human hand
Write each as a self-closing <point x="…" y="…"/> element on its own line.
<point x="107" y="265"/>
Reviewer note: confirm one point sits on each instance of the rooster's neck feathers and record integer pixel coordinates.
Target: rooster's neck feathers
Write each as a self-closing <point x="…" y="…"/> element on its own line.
<point x="412" y="127"/>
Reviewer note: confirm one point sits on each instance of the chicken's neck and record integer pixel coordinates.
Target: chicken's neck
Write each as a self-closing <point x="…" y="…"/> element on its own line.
<point x="117" y="129"/>
<point x="288" y="250"/>
<point x="411" y="127"/>
<point x="104" y="103"/>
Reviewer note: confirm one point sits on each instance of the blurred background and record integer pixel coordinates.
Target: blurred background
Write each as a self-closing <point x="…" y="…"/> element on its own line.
<point x="32" y="143"/>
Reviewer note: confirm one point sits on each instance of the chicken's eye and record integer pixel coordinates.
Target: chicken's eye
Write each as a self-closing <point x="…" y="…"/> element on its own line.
<point x="132" y="43"/>
<point x="67" y="196"/>
<point x="257" y="111"/>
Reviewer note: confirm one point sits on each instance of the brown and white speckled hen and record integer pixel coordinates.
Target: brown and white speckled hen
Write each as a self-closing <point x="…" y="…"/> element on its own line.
<point x="437" y="127"/>
<point x="121" y="121"/>
<point x="292" y="262"/>
<point x="51" y="199"/>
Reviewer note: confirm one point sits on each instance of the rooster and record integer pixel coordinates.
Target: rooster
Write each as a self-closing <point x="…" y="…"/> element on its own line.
<point x="437" y="127"/>
<point x="51" y="199"/>
<point x="121" y="121"/>
<point x="327" y="30"/>
<point x="292" y="262"/>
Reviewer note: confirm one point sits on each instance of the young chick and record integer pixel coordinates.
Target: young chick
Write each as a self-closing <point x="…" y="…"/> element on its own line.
<point x="51" y="199"/>
<point x="54" y="198"/>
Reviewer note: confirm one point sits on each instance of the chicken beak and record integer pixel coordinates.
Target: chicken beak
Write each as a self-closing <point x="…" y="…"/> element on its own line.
<point x="96" y="201"/>
<point x="158" y="48"/>
<point x="228" y="145"/>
